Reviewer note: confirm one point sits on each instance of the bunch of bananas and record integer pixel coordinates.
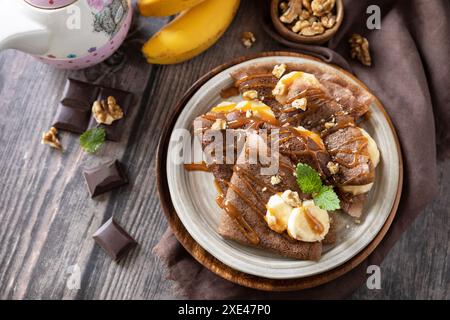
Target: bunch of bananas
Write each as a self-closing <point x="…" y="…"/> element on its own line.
<point x="199" y="25"/>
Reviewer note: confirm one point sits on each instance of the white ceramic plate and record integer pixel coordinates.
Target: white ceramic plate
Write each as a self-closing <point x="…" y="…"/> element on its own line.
<point x="193" y="193"/>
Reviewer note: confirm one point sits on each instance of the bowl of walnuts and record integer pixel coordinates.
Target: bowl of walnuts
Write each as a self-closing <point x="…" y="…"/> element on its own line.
<point x="307" y="21"/>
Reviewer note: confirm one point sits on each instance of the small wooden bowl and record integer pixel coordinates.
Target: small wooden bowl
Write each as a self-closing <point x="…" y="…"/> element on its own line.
<point x="284" y="31"/>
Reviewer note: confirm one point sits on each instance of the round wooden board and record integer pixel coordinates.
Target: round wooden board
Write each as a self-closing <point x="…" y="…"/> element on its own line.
<point x="207" y="259"/>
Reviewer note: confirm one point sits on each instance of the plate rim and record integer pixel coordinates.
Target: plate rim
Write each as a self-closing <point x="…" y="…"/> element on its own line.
<point x="204" y="257"/>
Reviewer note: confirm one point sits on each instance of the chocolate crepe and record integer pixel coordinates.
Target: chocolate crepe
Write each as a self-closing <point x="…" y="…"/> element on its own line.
<point x="248" y="193"/>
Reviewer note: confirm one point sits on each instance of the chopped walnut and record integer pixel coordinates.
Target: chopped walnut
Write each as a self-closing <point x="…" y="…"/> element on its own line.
<point x="279" y="89"/>
<point x="316" y="28"/>
<point x="219" y="124"/>
<point x="333" y="167"/>
<point x="291" y="198"/>
<point x="312" y="20"/>
<point x="51" y="139"/>
<point x="274" y="180"/>
<point x="360" y="49"/>
<point x="300" y="104"/>
<point x="328" y="20"/>
<point x="321" y="7"/>
<point x="250" y="95"/>
<point x="307" y="5"/>
<point x="305" y="15"/>
<point x="279" y="70"/>
<point x="329" y="125"/>
<point x="106" y="112"/>
<point x="293" y="11"/>
<point x="283" y="6"/>
<point x="300" y="25"/>
<point x="248" y="38"/>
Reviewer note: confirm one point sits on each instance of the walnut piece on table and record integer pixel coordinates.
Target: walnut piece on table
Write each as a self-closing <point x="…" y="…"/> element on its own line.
<point x="248" y="39"/>
<point x="360" y="49"/>
<point x="106" y="112"/>
<point x="50" y="138"/>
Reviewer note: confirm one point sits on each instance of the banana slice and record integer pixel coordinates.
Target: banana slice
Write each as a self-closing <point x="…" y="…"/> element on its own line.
<point x="308" y="223"/>
<point x="278" y="212"/>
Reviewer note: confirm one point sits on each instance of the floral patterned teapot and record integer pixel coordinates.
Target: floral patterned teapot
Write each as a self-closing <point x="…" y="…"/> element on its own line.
<point x="68" y="34"/>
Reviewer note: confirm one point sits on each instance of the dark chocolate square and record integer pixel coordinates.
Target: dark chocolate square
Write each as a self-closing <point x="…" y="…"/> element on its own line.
<point x="105" y="177"/>
<point x="79" y="94"/>
<point x="113" y="239"/>
<point x="124" y="100"/>
<point x="71" y="119"/>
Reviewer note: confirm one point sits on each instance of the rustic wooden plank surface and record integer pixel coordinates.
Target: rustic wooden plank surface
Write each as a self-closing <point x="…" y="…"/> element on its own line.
<point x="47" y="217"/>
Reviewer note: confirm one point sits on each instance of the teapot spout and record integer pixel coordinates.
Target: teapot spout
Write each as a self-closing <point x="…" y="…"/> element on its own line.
<point x="18" y="31"/>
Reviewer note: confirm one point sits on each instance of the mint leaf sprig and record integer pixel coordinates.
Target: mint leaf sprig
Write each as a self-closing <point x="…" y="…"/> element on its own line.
<point x="91" y="140"/>
<point x="309" y="182"/>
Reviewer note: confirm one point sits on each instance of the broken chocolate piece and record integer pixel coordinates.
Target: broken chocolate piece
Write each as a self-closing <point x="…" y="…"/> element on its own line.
<point x="71" y="119"/>
<point x="105" y="177"/>
<point x="78" y="94"/>
<point x="113" y="239"/>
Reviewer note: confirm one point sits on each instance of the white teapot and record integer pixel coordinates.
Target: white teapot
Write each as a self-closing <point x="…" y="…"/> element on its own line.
<point x="68" y="34"/>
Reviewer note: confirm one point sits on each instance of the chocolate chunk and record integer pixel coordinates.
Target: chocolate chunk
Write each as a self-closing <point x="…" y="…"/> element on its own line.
<point x="71" y="119"/>
<point x="105" y="177"/>
<point x="114" y="239"/>
<point x="78" y="94"/>
<point x="124" y="99"/>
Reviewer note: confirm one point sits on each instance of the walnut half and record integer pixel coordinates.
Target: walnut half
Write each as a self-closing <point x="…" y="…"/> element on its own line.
<point x="106" y="112"/>
<point x="51" y="139"/>
<point x="248" y="39"/>
<point x="321" y="7"/>
<point x="360" y="49"/>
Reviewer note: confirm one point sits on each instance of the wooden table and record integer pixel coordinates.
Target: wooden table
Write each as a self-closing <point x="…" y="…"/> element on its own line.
<point x="47" y="217"/>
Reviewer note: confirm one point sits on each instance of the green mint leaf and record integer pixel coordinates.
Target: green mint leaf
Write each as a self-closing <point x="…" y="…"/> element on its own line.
<point x="308" y="179"/>
<point x="92" y="139"/>
<point x="327" y="199"/>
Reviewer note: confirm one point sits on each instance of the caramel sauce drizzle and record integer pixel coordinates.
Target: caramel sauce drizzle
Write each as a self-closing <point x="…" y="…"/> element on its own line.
<point x="316" y="100"/>
<point x="229" y="92"/>
<point x="248" y="179"/>
<point x="233" y="212"/>
<point x="196" y="166"/>
<point x="245" y="198"/>
<point x="295" y="134"/>
<point x="313" y="223"/>
<point x="210" y="116"/>
<point x="251" y="77"/>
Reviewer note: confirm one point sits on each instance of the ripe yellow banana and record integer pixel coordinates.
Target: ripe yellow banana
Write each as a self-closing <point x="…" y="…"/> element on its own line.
<point x="191" y="33"/>
<point x="160" y="8"/>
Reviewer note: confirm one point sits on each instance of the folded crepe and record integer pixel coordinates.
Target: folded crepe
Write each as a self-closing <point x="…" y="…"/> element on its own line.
<point x="258" y="77"/>
<point x="356" y="154"/>
<point x="249" y="190"/>
<point x="339" y="96"/>
<point x="220" y="164"/>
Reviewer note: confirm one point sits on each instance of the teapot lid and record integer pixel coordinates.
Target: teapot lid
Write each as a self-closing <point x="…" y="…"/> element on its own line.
<point x="50" y="4"/>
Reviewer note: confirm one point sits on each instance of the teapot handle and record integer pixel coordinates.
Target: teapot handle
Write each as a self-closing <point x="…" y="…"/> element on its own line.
<point x="19" y="31"/>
